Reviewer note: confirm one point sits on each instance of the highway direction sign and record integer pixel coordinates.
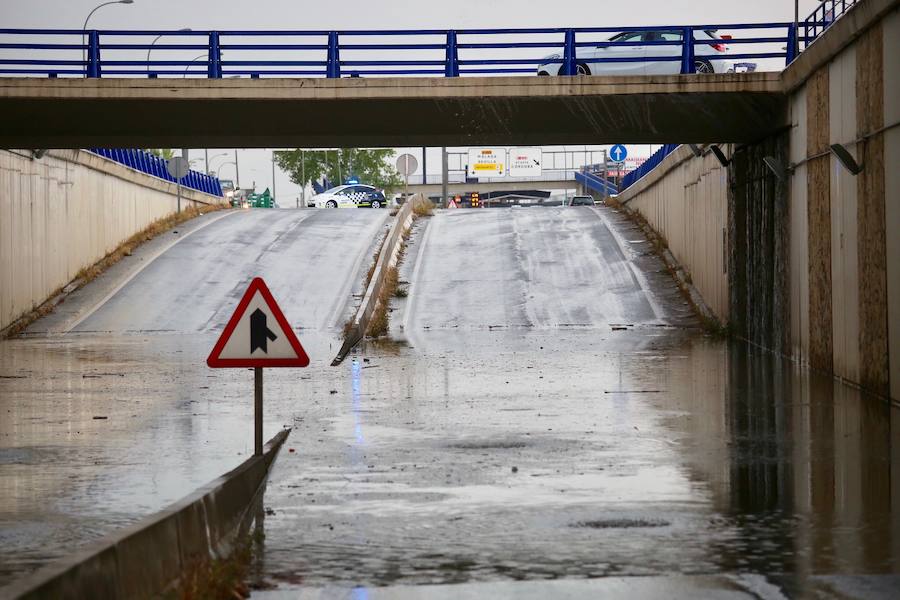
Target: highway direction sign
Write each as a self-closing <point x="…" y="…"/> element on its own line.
<point x="487" y="162"/>
<point x="618" y="153"/>
<point x="258" y="335"/>
<point x="525" y="162"/>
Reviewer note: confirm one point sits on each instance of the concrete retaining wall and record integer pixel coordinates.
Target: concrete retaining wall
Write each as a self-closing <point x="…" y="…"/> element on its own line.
<point x="65" y="211"/>
<point x="814" y="268"/>
<point x="683" y="199"/>
<point x="387" y="258"/>
<point x="845" y="258"/>
<point x="143" y="560"/>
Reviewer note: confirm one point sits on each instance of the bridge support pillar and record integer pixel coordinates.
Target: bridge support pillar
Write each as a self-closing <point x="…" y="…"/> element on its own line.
<point x="793" y="47"/>
<point x="214" y="60"/>
<point x="451" y="61"/>
<point x="333" y="62"/>
<point x="93" y="64"/>
<point x="569" y="66"/>
<point x="687" y="52"/>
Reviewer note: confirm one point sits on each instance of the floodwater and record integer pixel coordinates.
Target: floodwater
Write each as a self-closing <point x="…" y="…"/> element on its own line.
<point x="535" y="456"/>
<point x="517" y="430"/>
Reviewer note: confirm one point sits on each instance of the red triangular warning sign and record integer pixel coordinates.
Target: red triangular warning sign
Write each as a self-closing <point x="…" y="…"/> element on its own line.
<point x="258" y="335"/>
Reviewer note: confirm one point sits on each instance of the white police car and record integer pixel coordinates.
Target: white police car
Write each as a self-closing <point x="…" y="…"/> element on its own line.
<point x="348" y="196"/>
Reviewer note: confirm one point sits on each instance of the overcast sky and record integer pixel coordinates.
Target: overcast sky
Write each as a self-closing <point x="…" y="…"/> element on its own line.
<point x="381" y="14"/>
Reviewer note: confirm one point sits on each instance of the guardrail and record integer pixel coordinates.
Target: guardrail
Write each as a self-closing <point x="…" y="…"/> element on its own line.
<point x="823" y="17"/>
<point x="648" y="165"/>
<point x="596" y="182"/>
<point x="358" y="53"/>
<point x="149" y="163"/>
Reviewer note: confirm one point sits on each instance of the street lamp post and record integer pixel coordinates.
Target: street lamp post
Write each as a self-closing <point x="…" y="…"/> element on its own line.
<point x="156" y="39"/>
<point x="84" y="27"/>
<point x="273" y="175"/>
<point x="223" y="165"/>
<point x="214" y="157"/>
<point x="190" y="62"/>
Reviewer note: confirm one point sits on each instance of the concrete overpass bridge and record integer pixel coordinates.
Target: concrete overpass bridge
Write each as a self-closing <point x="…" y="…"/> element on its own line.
<point x="399" y="111"/>
<point x="391" y="88"/>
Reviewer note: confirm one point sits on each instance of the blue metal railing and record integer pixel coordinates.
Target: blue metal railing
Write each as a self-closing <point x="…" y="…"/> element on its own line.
<point x="648" y="165"/>
<point x="149" y="163"/>
<point x="823" y="17"/>
<point x="594" y="181"/>
<point x="333" y="54"/>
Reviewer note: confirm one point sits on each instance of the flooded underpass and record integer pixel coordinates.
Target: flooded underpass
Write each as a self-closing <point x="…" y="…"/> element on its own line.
<point x="671" y="454"/>
<point x="527" y="427"/>
<point x="518" y="435"/>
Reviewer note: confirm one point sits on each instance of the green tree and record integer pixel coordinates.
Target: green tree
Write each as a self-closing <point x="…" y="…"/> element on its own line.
<point x="369" y="166"/>
<point x="165" y="153"/>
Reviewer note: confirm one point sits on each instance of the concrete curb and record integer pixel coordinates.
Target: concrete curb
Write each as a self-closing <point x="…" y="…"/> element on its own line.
<point x="144" y="559"/>
<point x="387" y="258"/>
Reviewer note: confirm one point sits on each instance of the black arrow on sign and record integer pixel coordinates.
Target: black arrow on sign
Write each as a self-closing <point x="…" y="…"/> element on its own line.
<point x="259" y="332"/>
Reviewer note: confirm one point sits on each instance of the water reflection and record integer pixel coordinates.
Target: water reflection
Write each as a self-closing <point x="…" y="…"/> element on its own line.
<point x="694" y="455"/>
<point x="741" y="462"/>
<point x="801" y="465"/>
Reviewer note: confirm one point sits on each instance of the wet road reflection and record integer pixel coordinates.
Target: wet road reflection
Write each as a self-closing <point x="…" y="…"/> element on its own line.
<point x="558" y="456"/>
<point x="539" y="437"/>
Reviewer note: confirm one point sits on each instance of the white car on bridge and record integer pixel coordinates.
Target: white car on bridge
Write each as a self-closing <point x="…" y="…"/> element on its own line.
<point x="648" y="57"/>
<point x="349" y="196"/>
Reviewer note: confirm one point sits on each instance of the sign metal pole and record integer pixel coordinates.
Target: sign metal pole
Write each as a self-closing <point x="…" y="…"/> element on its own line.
<point x="254" y="327"/>
<point x="258" y="410"/>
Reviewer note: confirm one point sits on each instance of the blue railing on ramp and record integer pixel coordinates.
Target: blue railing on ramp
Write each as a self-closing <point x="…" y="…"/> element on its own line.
<point x="595" y="182"/>
<point x="648" y="165"/>
<point x="149" y="163"/>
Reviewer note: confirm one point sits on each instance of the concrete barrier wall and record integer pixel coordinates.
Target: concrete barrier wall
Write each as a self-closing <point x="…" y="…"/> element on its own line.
<point x="145" y="559"/>
<point x="387" y="258"/>
<point x="684" y="200"/>
<point x="64" y="212"/>
<point x="814" y="261"/>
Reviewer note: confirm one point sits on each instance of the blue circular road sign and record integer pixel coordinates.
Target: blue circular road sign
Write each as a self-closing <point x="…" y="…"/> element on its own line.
<point x="618" y="153"/>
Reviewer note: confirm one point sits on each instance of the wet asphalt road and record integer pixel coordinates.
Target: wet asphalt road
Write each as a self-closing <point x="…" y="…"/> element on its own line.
<point x="526" y="268"/>
<point x="120" y="416"/>
<point x="547" y="409"/>
<point x="309" y="259"/>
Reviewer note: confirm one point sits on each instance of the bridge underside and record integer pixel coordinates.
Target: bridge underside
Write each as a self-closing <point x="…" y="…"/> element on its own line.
<point x="73" y="113"/>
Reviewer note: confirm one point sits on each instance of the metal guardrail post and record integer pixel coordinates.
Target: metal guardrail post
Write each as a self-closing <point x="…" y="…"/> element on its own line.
<point x="333" y="62"/>
<point x="451" y="60"/>
<point x="93" y="66"/>
<point x="569" y="66"/>
<point x="793" y="47"/>
<point x="687" y="51"/>
<point x="214" y="58"/>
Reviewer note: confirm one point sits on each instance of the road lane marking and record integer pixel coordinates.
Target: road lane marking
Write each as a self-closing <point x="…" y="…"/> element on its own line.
<point x="137" y="272"/>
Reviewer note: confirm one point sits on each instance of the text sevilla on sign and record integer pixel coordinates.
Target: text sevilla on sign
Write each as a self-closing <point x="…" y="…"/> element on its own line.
<point x="258" y="335"/>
